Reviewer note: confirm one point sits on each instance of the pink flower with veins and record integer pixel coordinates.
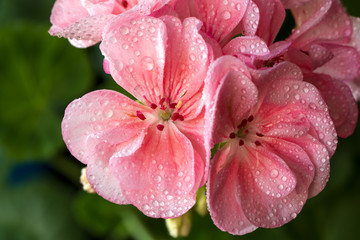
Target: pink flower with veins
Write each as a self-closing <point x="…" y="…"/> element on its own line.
<point x="82" y="21"/>
<point x="328" y="57"/>
<point x="278" y="141"/>
<point x="325" y="47"/>
<point x="151" y="154"/>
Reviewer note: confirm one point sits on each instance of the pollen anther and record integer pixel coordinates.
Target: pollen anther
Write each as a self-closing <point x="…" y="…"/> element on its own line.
<point x="140" y="115"/>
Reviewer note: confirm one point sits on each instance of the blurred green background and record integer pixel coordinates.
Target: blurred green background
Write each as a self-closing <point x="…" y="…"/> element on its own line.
<point x="40" y="194"/>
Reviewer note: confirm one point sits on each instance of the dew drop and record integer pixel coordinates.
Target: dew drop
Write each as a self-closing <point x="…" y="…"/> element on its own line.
<point x="274" y="173"/>
<point x="108" y="113"/>
<point x="124" y="30"/>
<point x="226" y="15"/>
<point x="148" y="63"/>
<point x="157" y="179"/>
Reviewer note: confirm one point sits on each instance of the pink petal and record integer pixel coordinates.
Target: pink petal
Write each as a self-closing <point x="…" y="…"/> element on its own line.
<point x="320" y="158"/>
<point x="293" y="3"/>
<point x="297" y="160"/>
<point x="135" y="49"/>
<point x="102" y="115"/>
<point x="220" y="17"/>
<point x="261" y="208"/>
<point x="223" y="195"/>
<point x="251" y="46"/>
<point x="65" y="13"/>
<point x="99" y="175"/>
<point x="355" y="36"/>
<point x="194" y="131"/>
<point x="99" y="6"/>
<point x="186" y="60"/>
<point x="82" y="43"/>
<point x="214" y="48"/>
<point x="231" y="109"/>
<point x="276" y="49"/>
<point x="250" y="22"/>
<point x="344" y="65"/>
<point x="184" y="8"/>
<point x="335" y="27"/>
<point x="85" y="32"/>
<point x="162" y="177"/>
<point x="106" y="66"/>
<point x="355" y="88"/>
<point x="308" y="15"/>
<point x="283" y="121"/>
<point x="269" y="170"/>
<point x="281" y="72"/>
<point x="342" y="106"/>
<point x="300" y="58"/>
<point x="165" y="10"/>
<point x="217" y="73"/>
<point x="192" y="107"/>
<point x="305" y="96"/>
<point x="319" y="55"/>
<point x="272" y="15"/>
<point x="276" y="53"/>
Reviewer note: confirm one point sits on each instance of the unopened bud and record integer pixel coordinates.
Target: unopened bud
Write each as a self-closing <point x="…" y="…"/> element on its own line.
<point x="180" y="226"/>
<point x="86" y="185"/>
<point x="201" y="206"/>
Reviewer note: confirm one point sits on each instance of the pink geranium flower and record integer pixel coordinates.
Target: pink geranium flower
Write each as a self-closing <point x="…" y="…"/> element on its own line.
<point x="151" y="153"/>
<point x="328" y="57"/>
<point x="328" y="53"/>
<point x="82" y="21"/>
<point x="278" y="139"/>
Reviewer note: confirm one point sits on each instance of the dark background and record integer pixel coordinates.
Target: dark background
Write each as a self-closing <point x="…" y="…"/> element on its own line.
<point x="40" y="194"/>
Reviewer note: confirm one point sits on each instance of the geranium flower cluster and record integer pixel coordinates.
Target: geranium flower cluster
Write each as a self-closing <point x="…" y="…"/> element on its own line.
<point x="208" y="73"/>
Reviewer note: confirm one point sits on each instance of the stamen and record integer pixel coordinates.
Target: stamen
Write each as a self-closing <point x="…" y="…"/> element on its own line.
<point x="232" y="135"/>
<point x="153" y="106"/>
<point x="140" y="115"/>
<point x="250" y="118"/>
<point x="241" y="142"/>
<point x="162" y="101"/>
<point x="259" y="134"/>
<point x="124" y="4"/>
<point x="172" y="105"/>
<point x="257" y="143"/>
<point x="175" y="116"/>
<point x="178" y="105"/>
<point x="160" y="127"/>
<point x="243" y="123"/>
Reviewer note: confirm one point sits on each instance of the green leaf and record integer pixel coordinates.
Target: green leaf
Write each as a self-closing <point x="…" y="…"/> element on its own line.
<point x="11" y="10"/>
<point x="37" y="211"/>
<point x="216" y="148"/>
<point x="102" y="218"/>
<point x="39" y="76"/>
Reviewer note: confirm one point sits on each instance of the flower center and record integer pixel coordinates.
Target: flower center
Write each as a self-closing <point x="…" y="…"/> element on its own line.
<point x="245" y="133"/>
<point x="166" y="110"/>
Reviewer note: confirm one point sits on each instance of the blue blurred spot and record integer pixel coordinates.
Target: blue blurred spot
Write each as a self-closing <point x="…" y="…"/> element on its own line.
<point x="26" y="172"/>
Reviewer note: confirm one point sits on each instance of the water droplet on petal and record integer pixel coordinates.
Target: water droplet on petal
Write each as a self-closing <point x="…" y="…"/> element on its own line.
<point x="274" y="173"/>
<point x="226" y="15"/>
<point x="124" y="30"/>
<point x="108" y="113"/>
<point x="148" y="63"/>
<point x="157" y="179"/>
